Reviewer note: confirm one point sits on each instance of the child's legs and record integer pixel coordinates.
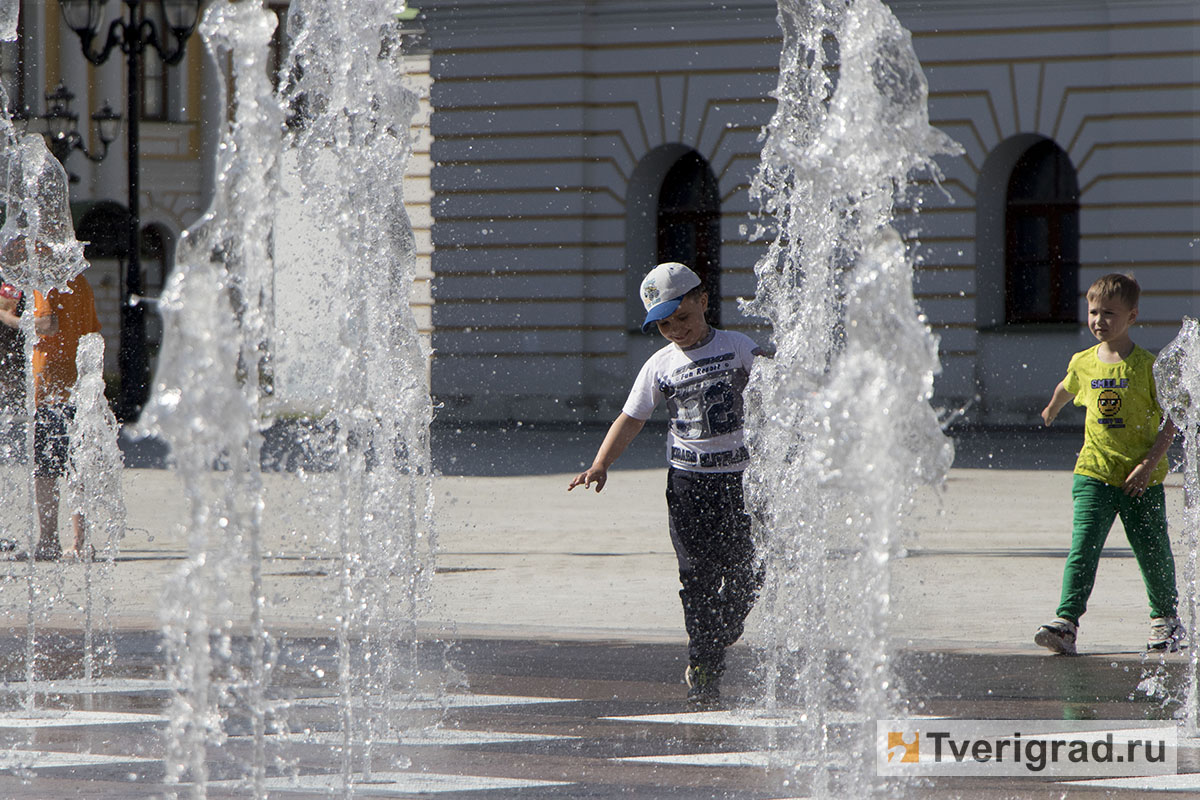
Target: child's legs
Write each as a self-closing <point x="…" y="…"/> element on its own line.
<point x="1096" y="505"/>
<point x="699" y="580"/>
<point x="716" y="598"/>
<point x="742" y="576"/>
<point x="1145" y="520"/>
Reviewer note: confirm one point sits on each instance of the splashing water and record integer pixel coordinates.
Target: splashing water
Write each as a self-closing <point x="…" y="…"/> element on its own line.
<point x="840" y="430"/>
<point x="40" y="253"/>
<point x="1177" y="375"/>
<point x="10" y="11"/>
<point x="38" y="236"/>
<point x="350" y="139"/>
<point x="209" y="404"/>
<point x="95" y="492"/>
<point x="351" y="118"/>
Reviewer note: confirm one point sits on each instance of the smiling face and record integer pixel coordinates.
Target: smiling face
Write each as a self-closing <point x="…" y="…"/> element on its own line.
<point x="1109" y="319"/>
<point x="1109" y="403"/>
<point x="686" y="327"/>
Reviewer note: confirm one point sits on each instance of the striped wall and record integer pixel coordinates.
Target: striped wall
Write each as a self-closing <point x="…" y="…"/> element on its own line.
<point x="542" y="110"/>
<point x="1117" y="86"/>
<point x="539" y="121"/>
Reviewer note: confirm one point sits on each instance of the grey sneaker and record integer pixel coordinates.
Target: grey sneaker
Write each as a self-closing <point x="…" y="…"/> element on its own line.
<point x="1058" y="636"/>
<point x="1166" y="634"/>
<point x="704" y="685"/>
<point x="48" y="550"/>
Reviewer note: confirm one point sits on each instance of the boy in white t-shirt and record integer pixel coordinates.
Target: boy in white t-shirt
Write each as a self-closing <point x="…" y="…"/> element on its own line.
<point x="701" y="375"/>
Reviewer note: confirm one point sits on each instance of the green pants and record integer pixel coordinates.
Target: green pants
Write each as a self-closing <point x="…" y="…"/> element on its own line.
<point x="1145" y="519"/>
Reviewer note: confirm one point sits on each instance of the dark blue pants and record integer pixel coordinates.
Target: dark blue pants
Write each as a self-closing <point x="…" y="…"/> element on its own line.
<point x="718" y="570"/>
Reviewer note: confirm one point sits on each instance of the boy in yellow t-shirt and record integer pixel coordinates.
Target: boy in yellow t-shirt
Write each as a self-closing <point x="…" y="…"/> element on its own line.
<point x="1120" y="469"/>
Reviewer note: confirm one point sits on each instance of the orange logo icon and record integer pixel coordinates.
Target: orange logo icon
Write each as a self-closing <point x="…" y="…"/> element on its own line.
<point x="912" y="750"/>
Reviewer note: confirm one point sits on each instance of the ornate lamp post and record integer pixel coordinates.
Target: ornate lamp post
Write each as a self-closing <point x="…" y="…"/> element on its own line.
<point x="59" y="126"/>
<point x="133" y="32"/>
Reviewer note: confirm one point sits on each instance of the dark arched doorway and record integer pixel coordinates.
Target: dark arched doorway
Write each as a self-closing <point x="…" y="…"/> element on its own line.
<point x="672" y="213"/>
<point x="156" y="259"/>
<point x="1041" y="238"/>
<point x="689" y="224"/>
<point x="102" y="225"/>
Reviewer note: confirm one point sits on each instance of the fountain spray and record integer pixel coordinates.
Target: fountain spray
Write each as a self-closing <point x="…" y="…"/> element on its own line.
<point x="840" y="430"/>
<point x="1177" y="376"/>
<point x="210" y="402"/>
<point x="41" y="253"/>
<point x="350" y="117"/>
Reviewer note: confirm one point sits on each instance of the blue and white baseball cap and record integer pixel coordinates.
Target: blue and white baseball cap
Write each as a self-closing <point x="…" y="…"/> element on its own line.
<point x="663" y="288"/>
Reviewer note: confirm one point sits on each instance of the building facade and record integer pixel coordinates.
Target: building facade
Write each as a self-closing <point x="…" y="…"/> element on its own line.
<point x="566" y="146"/>
<point x="1080" y="126"/>
<point x="180" y="128"/>
<point x="176" y="180"/>
<point x="577" y="143"/>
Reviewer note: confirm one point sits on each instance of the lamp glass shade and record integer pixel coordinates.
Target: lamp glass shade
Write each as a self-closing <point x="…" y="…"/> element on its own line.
<point x="60" y="122"/>
<point x="108" y="123"/>
<point x="83" y="16"/>
<point x="181" y="15"/>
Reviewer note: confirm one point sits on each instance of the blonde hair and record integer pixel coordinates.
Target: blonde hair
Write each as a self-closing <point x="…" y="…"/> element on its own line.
<point x="1116" y="286"/>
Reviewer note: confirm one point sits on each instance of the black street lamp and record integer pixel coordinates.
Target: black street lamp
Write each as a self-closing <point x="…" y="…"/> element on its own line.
<point x="60" y="127"/>
<point x="133" y="33"/>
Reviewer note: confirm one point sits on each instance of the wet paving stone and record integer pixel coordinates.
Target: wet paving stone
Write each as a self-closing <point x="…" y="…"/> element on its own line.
<point x="542" y="719"/>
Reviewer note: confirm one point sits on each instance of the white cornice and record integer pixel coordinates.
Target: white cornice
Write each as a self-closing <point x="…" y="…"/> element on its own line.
<point x="1026" y="6"/>
<point x="497" y="15"/>
<point x="516" y="14"/>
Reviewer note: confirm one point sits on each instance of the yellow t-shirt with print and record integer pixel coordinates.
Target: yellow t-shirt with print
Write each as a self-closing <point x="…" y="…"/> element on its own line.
<point x="1123" y="414"/>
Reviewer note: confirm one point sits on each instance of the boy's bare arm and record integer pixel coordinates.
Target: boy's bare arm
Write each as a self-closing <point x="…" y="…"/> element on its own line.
<point x="1139" y="476"/>
<point x="1059" y="399"/>
<point x="619" y="435"/>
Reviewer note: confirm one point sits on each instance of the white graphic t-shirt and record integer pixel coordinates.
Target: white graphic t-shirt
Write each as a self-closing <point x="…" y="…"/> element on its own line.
<point x="703" y="389"/>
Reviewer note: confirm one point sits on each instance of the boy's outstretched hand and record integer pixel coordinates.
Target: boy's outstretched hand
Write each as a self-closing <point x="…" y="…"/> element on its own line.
<point x="615" y="441"/>
<point x="593" y="474"/>
<point x="1059" y="399"/>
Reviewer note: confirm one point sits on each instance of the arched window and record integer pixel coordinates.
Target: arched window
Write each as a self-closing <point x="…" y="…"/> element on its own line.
<point x="672" y="213"/>
<point x="1041" y="238"/>
<point x="689" y="224"/>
